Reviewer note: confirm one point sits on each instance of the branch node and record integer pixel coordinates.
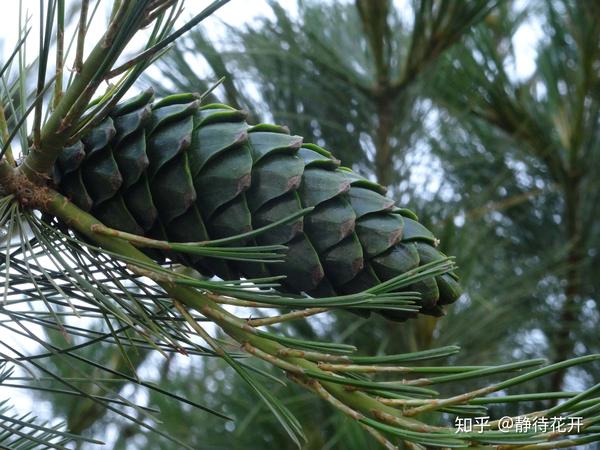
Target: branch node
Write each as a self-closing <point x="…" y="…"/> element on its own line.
<point x="27" y="193"/>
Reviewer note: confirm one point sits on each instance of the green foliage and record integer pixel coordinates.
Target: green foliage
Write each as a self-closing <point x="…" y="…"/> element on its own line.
<point x="110" y="315"/>
<point x="332" y="74"/>
<point x="536" y="139"/>
<point x="497" y="196"/>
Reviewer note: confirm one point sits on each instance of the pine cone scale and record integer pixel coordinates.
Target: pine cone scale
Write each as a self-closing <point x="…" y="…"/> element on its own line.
<point x="176" y="171"/>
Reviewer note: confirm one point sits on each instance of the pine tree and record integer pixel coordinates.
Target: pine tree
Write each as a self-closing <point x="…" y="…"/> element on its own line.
<point x="542" y="133"/>
<point x="64" y="264"/>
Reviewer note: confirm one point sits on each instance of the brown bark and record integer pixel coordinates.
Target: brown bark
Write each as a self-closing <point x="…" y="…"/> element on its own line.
<point x="383" y="151"/>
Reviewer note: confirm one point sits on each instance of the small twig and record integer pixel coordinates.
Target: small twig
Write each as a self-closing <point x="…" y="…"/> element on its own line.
<point x="119" y="12"/>
<point x="366" y="369"/>
<point x="156" y="10"/>
<point x="288" y="367"/>
<point x="223" y="300"/>
<point x="421" y="427"/>
<point x="198" y="329"/>
<point x="133" y="238"/>
<point x="60" y="48"/>
<point x="267" y="253"/>
<point x="143" y="241"/>
<point x="153" y="275"/>
<point x="81" y="36"/>
<point x="403" y="401"/>
<point x="5" y="138"/>
<point x="457" y="399"/>
<point x="313" y="356"/>
<point x="300" y="314"/>
<point x="226" y="319"/>
<point x="316" y="387"/>
<point x="379" y="437"/>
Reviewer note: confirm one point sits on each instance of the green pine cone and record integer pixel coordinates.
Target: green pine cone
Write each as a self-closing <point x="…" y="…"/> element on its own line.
<point x="177" y="171"/>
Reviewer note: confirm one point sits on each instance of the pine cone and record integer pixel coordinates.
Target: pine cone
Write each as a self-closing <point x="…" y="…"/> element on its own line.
<point x="177" y="171"/>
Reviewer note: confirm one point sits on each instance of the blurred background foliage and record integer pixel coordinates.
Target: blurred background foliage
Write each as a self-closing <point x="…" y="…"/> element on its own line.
<point x="499" y="156"/>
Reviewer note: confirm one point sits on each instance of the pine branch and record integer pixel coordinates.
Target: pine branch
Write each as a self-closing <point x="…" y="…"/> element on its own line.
<point x="269" y="349"/>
